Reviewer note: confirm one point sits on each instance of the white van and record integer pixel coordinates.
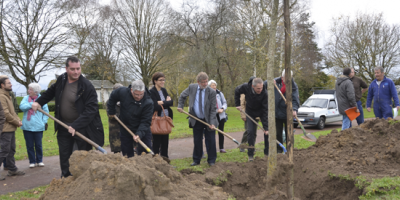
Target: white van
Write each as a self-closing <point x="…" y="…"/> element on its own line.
<point x="319" y="109"/>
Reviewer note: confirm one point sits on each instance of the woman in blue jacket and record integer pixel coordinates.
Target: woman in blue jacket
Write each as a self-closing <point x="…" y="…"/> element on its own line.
<point x="33" y="125"/>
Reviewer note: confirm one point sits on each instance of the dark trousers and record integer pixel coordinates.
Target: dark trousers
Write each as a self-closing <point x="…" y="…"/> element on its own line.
<point x="251" y="135"/>
<point x="280" y="124"/>
<point x="198" y="131"/>
<point x="7" y="150"/>
<point x="127" y="144"/>
<point x="33" y="141"/>
<point x="244" y="138"/>
<point x="160" y="144"/>
<point x="65" y="148"/>
<point x="221" y="137"/>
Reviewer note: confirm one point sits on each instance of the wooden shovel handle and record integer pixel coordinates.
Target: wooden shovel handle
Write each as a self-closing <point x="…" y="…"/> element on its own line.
<point x="205" y="123"/>
<point x="140" y="141"/>
<point x="76" y="132"/>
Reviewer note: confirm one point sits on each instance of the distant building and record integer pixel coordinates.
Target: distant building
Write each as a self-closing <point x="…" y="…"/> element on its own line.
<point x="107" y="87"/>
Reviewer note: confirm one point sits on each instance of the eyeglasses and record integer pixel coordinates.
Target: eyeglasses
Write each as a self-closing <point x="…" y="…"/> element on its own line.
<point x="162" y="80"/>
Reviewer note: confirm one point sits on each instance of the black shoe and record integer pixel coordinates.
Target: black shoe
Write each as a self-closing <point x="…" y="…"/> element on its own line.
<point x="211" y="164"/>
<point x="251" y="158"/>
<point x="194" y="164"/>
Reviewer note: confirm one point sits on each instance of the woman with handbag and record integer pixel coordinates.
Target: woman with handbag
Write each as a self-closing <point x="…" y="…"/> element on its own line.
<point x="221" y="115"/>
<point x="162" y="103"/>
<point x="33" y="125"/>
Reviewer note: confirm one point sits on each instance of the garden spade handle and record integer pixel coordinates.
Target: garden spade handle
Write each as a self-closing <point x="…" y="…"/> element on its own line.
<point x="223" y="133"/>
<point x="76" y="132"/>
<point x="283" y="147"/>
<point x="309" y="136"/>
<point x="301" y="125"/>
<point x="140" y="141"/>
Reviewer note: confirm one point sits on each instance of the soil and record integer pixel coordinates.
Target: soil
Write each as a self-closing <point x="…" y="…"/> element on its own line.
<point x="371" y="150"/>
<point x="98" y="176"/>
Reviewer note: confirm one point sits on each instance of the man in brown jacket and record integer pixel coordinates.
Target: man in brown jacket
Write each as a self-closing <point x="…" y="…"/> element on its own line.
<point x="7" y="137"/>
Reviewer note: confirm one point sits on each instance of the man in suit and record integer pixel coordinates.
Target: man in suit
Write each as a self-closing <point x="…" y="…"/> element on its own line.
<point x="202" y="104"/>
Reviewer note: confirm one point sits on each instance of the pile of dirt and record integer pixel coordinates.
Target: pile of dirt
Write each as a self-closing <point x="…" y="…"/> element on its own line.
<point x="97" y="176"/>
<point x="371" y="150"/>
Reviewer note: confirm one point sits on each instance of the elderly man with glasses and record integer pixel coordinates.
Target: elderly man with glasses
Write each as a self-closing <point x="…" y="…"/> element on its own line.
<point x="136" y="111"/>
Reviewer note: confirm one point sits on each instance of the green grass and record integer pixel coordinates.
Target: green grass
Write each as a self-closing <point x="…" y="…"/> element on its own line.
<point x="368" y="114"/>
<point x="300" y="143"/>
<point x="232" y="155"/>
<point x="32" y="193"/>
<point x="383" y="188"/>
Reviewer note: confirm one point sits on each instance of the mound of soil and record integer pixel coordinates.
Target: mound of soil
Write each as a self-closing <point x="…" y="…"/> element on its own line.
<point x="371" y="150"/>
<point x="97" y="176"/>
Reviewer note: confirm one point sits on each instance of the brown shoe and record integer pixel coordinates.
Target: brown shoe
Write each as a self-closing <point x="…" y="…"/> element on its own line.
<point x="15" y="173"/>
<point x="5" y="168"/>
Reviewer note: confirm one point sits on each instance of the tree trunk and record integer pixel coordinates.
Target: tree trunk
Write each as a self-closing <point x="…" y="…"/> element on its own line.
<point x="289" y="108"/>
<point x="271" y="96"/>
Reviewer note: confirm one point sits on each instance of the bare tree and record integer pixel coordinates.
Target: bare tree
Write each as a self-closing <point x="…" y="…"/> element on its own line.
<point x="143" y="28"/>
<point x="363" y="43"/>
<point x="31" y="37"/>
<point x="80" y="21"/>
<point x="103" y="52"/>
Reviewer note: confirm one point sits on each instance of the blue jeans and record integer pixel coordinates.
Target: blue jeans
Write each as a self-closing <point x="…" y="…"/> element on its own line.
<point x="346" y="122"/>
<point x="33" y="142"/>
<point x="360" y="119"/>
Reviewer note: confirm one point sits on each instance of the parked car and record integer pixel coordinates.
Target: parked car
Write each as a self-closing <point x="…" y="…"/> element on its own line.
<point x="319" y="109"/>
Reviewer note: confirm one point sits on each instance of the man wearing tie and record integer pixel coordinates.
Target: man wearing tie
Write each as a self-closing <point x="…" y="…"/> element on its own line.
<point x="202" y="104"/>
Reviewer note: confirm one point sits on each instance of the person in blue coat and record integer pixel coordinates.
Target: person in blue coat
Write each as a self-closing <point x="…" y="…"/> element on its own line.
<point x="33" y="125"/>
<point x="382" y="90"/>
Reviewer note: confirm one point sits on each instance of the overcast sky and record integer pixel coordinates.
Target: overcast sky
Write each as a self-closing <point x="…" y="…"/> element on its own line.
<point x="322" y="12"/>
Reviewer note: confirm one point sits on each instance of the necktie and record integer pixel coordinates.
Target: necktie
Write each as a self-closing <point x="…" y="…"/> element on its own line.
<point x="201" y="102"/>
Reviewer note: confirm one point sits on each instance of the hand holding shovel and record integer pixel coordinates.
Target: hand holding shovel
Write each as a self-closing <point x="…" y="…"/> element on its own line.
<point x="283" y="147"/>
<point x="76" y="132"/>
<point x="135" y="137"/>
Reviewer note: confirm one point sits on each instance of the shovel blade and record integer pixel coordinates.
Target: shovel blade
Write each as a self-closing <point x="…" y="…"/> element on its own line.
<point x="309" y="137"/>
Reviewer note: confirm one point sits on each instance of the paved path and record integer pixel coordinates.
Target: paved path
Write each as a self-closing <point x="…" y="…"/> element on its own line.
<point x="178" y="148"/>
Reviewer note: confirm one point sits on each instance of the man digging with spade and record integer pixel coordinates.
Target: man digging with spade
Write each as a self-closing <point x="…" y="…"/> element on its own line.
<point x="256" y="106"/>
<point x="136" y="111"/>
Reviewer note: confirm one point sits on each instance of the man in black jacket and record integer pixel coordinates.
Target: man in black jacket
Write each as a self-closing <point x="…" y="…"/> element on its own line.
<point x="77" y="106"/>
<point x="256" y="106"/>
<point x="136" y="112"/>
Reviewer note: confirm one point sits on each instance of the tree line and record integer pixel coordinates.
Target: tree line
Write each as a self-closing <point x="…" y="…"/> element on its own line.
<point x="230" y="40"/>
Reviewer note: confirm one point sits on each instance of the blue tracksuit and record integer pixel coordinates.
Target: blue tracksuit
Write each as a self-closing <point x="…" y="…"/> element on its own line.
<point x="382" y="96"/>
